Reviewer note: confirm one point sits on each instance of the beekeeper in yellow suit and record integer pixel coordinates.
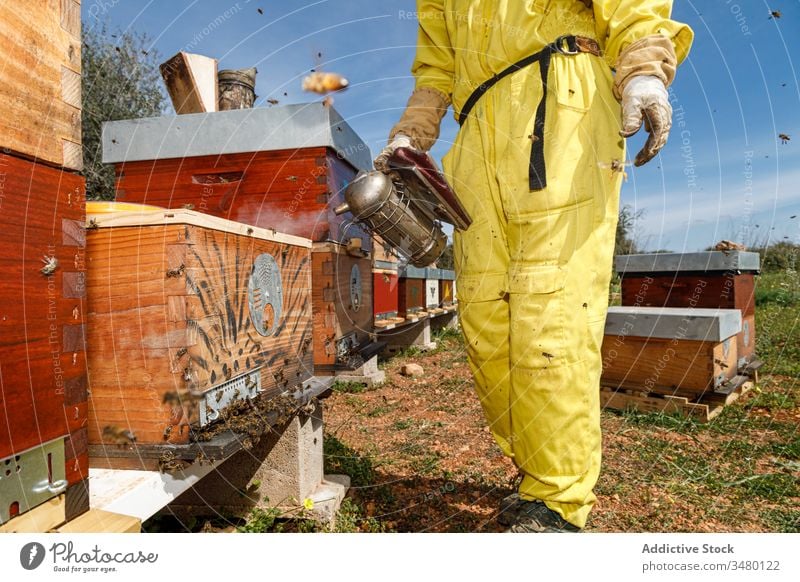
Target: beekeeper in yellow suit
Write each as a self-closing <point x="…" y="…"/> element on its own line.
<point x="540" y="177"/>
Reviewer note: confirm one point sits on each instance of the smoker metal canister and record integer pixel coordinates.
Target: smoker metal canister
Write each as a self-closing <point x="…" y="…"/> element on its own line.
<point x="237" y="88"/>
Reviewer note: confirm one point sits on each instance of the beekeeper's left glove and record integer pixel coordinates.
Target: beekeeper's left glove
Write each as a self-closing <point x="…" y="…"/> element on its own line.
<point x="645" y="101"/>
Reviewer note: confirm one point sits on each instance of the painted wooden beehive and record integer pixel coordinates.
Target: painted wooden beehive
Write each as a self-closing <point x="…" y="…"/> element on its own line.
<point x="282" y="168"/>
<point x="43" y="399"/>
<point x="385" y="280"/>
<point x="446" y="287"/>
<point x="713" y="279"/>
<point x="412" y="291"/>
<point x="432" y="276"/>
<point x="343" y="299"/>
<point x="670" y="350"/>
<point x="188" y="314"/>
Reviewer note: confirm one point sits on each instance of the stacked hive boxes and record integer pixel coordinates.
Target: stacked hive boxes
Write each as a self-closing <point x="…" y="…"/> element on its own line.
<point x="43" y="389"/>
<point x="685" y="330"/>
<point x="713" y="279"/>
<point x="282" y="168"/>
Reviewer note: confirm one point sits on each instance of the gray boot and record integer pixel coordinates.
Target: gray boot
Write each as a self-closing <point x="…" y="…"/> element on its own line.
<point x="536" y="517"/>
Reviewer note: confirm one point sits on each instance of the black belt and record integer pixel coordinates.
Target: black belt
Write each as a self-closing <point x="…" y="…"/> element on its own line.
<point x="564" y="45"/>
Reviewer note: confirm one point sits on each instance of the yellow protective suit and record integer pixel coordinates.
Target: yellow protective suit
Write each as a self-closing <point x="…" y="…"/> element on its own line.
<point x="533" y="270"/>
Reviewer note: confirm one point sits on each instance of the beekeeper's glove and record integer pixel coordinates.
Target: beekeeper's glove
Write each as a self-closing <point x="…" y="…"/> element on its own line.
<point x="418" y="126"/>
<point x="400" y="140"/>
<point x="644" y="69"/>
<point x="645" y="100"/>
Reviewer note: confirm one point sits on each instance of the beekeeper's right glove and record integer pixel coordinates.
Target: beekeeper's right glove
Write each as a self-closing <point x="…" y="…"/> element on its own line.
<point x="419" y="124"/>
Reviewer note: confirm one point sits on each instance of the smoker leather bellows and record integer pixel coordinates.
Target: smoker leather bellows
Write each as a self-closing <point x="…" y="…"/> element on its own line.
<point x="407" y="205"/>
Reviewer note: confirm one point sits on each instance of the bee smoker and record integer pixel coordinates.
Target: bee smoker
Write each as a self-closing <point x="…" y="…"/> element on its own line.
<point x="406" y="205"/>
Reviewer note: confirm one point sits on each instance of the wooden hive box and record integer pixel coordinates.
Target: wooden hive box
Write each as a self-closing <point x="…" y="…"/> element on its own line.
<point x="343" y="299"/>
<point x="713" y="279"/>
<point x="43" y="398"/>
<point x="385" y="279"/>
<point x="188" y="314"/>
<point x="446" y="287"/>
<point x="432" y="276"/>
<point x="40" y="80"/>
<point x="282" y="168"/>
<point x="675" y="351"/>
<point x="412" y="292"/>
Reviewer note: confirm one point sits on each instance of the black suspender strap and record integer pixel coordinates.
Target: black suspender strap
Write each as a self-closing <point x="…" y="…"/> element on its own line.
<point x="565" y="45"/>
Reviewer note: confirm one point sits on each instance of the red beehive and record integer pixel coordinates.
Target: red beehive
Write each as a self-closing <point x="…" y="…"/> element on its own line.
<point x="43" y="398"/>
<point x="283" y="168"/>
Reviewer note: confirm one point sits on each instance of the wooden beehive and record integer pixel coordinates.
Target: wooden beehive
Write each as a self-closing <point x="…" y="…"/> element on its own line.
<point x="280" y="167"/>
<point x="446" y="287"/>
<point x="432" y="276"/>
<point x="385" y="289"/>
<point x="40" y="80"/>
<point x="188" y="313"/>
<point x="675" y="351"/>
<point x="713" y="280"/>
<point x="412" y="292"/>
<point x="43" y="399"/>
<point x="343" y="319"/>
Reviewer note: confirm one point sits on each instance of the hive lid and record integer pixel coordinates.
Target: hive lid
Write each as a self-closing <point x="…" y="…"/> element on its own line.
<point x="107" y="217"/>
<point x="411" y="272"/>
<point x="447" y="274"/>
<point x="680" y="262"/>
<point x="685" y="323"/>
<point x="259" y="129"/>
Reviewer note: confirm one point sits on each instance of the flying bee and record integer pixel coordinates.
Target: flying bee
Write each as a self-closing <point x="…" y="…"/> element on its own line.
<point x="92" y="224"/>
<point x="118" y="436"/>
<point x="321" y="82"/>
<point x="615" y="166"/>
<point x="784" y="137"/>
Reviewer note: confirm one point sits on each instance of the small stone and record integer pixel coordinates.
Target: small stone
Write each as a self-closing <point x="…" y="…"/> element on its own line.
<point x="411" y="370"/>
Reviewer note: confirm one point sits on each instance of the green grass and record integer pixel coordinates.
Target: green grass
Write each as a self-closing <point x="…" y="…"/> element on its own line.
<point x="341" y="459"/>
<point x="349" y="387"/>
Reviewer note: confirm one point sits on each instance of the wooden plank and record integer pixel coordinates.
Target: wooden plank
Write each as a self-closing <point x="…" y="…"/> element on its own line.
<point x="191" y="82"/>
<point x="619" y="400"/>
<point x="40" y="102"/>
<point x="42" y="518"/>
<point x="101" y="521"/>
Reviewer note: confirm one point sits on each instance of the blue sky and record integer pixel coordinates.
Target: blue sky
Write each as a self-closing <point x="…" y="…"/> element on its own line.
<point x="723" y="174"/>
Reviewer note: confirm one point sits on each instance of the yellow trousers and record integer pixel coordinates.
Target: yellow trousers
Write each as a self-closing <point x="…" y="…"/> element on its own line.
<point x="534" y="268"/>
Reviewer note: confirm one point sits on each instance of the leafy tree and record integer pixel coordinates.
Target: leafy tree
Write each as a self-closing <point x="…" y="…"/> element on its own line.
<point x="446" y="260"/>
<point x="625" y="243"/>
<point x="120" y="80"/>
